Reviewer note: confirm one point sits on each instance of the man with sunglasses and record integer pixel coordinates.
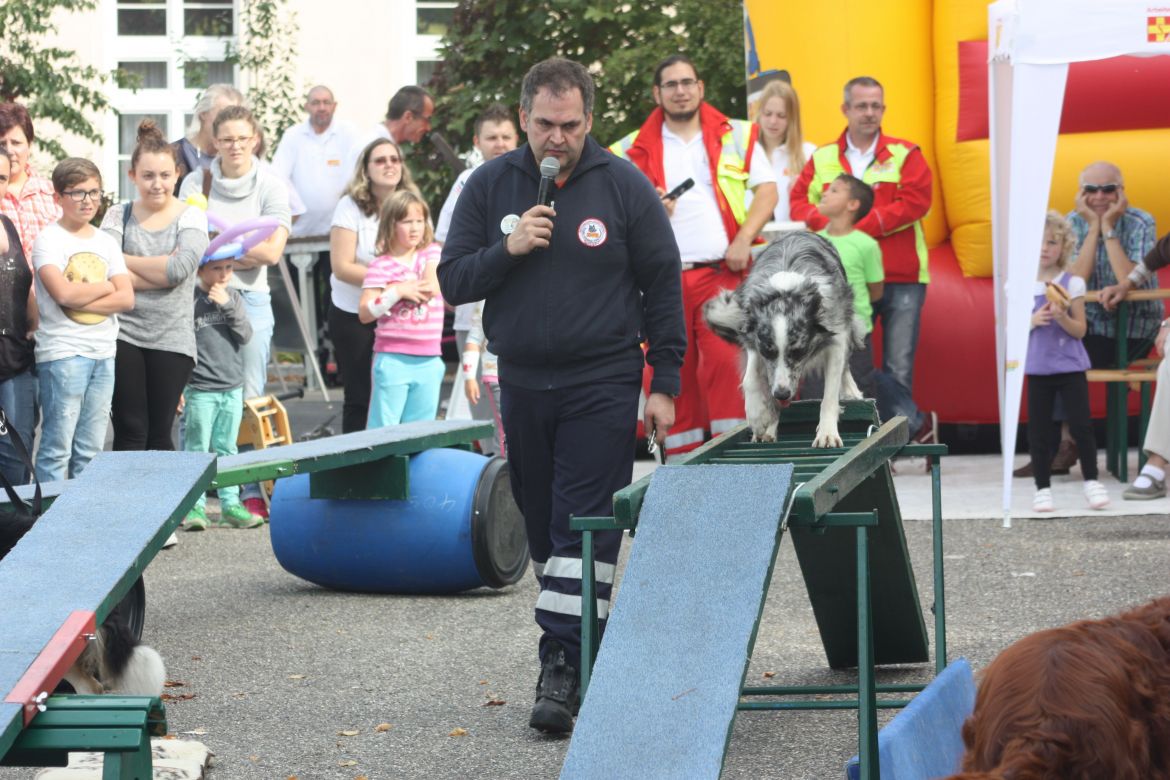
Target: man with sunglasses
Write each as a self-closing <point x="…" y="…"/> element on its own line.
<point x="687" y="138"/>
<point x="1112" y="238"/>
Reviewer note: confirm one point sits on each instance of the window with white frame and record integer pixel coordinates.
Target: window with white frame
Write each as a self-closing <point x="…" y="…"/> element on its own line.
<point x="175" y="48"/>
<point x="432" y="20"/>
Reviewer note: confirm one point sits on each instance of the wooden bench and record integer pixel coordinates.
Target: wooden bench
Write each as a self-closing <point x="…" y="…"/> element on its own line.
<point x="1130" y="376"/>
<point x="1122" y="382"/>
<point x="61" y="581"/>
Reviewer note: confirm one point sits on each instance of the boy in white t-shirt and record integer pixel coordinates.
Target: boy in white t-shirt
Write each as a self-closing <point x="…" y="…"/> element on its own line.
<point x="81" y="283"/>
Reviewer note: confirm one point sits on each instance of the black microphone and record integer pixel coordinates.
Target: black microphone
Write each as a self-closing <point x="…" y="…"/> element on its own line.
<point x="549" y="168"/>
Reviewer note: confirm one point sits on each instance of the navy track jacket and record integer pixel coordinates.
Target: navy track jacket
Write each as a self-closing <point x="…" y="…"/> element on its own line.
<point x="577" y="311"/>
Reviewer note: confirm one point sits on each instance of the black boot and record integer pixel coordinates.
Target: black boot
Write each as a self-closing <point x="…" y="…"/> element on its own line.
<point x="556" y="693"/>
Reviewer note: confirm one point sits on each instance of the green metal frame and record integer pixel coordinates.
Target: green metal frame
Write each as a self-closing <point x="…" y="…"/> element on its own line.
<point x="119" y="726"/>
<point x="1117" y="409"/>
<point x="822" y="478"/>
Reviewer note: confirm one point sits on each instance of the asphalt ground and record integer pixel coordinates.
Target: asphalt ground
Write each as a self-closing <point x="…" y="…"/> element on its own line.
<point x="282" y="678"/>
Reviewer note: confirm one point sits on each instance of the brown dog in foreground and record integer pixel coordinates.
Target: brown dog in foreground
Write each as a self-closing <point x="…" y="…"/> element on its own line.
<point x="1088" y="701"/>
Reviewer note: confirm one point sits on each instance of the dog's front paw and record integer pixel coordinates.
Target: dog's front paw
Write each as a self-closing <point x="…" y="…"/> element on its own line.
<point x="764" y="436"/>
<point x="827" y="438"/>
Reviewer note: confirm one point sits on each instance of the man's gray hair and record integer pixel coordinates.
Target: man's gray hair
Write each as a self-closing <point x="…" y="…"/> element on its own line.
<point x="558" y="76"/>
<point x="213" y="93"/>
<point x="860" y="81"/>
<point x="410" y="98"/>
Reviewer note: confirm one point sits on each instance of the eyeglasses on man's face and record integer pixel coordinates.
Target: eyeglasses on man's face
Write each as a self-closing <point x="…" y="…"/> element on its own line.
<point x="77" y="196"/>
<point x="1108" y="189"/>
<point x="687" y="84"/>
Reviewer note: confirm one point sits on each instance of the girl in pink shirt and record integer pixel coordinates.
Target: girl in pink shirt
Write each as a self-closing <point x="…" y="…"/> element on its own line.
<point x="401" y="292"/>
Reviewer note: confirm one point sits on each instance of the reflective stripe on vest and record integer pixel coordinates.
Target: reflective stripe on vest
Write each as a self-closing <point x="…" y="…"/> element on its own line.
<point x="732" y="176"/>
<point x="827" y="166"/>
<point x="729" y="172"/>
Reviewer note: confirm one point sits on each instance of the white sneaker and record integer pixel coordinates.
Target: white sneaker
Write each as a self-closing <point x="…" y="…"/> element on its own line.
<point x="1096" y="494"/>
<point x="171" y="541"/>
<point x="1042" y="501"/>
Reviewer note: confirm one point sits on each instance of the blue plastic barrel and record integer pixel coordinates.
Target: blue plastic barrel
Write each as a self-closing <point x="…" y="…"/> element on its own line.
<point x="459" y="529"/>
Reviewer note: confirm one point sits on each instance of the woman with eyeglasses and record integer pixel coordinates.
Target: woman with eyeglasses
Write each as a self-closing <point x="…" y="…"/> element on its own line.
<point x="238" y="188"/>
<point x="380" y="171"/>
<point x="29" y="200"/>
<point x="162" y="239"/>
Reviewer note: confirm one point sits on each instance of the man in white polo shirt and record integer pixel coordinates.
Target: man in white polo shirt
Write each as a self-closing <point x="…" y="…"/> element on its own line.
<point x="687" y="138"/>
<point x="312" y="157"/>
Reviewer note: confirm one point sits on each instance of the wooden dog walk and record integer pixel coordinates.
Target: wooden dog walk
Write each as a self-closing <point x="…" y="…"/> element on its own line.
<point x="670" y="675"/>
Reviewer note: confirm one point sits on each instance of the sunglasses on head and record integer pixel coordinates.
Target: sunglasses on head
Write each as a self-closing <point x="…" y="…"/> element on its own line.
<point x="1108" y="189"/>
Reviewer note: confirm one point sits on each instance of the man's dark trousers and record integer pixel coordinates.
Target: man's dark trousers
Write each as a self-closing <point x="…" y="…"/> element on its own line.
<point x="569" y="450"/>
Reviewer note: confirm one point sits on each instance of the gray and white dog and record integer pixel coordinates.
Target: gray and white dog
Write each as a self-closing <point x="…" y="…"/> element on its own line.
<point x="793" y="313"/>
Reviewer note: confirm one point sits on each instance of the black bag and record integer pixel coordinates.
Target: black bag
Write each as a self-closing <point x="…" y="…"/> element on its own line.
<point x="19" y="516"/>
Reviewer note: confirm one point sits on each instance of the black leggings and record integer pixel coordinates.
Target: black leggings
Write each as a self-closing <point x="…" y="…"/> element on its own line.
<point x="1073" y="390"/>
<point x="147" y="386"/>
<point x="353" y="346"/>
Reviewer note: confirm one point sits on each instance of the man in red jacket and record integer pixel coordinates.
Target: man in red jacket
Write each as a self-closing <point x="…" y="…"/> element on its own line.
<point x="687" y="138"/>
<point x="902" y="184"/>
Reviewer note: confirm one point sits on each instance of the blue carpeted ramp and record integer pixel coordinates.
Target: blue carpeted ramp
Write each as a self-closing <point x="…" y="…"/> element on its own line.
<point x="925" y="741"/>
<point x="667" y="680"/>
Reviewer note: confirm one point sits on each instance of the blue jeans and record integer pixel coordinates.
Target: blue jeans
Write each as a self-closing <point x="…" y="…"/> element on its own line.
<point x="213" y="423"/>
<point x="18" y="398"/>
<point x="405" y="388"/>
<point x="75" y="399"/>
<point x="255" y="354"/>
<point x="900" y="310"/>
<point x="259" y="347"/>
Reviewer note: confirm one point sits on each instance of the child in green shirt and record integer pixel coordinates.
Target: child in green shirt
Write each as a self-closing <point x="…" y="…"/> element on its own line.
<point x="847" y="200"/>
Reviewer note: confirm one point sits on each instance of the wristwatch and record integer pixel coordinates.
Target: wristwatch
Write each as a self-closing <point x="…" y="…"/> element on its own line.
<point x="1108" y="234"/>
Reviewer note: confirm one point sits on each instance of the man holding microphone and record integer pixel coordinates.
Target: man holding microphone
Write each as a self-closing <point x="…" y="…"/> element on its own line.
<point x="571" y="289"/>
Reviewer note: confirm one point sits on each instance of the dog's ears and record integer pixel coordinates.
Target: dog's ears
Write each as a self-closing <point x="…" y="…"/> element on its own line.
<point x="822" y="321"/>
<point x="726" y="317"/>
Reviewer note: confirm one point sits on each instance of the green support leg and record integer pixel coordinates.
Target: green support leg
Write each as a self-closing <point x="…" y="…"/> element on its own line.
<point x="867" y="731"/>
<point x="940" y="606"/>
<point x="589" y="627"/>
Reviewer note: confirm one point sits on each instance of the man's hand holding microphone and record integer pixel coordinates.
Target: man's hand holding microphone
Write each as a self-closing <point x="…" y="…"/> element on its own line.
<point x="534" y="230"/>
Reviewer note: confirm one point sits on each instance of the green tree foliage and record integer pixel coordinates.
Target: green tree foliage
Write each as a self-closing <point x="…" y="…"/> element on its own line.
<point x="267" y="50"/>
<point x="48" y="80"/>
<point x="491" y="44"/>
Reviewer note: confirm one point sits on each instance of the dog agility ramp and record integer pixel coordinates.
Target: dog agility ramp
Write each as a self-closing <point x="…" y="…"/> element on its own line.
<point x="667" y="681"/>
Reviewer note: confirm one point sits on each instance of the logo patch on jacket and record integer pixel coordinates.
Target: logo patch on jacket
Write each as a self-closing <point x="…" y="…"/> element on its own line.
<point x="591" y="232"/>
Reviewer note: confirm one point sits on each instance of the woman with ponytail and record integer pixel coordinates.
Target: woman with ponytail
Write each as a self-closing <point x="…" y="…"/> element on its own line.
<point x="163" y="240"/>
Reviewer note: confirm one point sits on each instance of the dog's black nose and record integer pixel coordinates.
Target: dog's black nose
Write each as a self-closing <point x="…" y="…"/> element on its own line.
<point x="781" y="393"/>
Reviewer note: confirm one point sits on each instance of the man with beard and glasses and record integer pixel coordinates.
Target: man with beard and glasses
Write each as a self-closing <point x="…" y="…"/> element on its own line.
<point x="688" y="138"/>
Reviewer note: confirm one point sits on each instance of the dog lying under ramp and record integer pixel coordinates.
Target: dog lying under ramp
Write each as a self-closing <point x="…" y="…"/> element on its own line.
<point x="668" y="676"/>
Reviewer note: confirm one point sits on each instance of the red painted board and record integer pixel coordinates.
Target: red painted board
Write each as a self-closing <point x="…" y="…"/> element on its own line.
<point x="53" y="662"/>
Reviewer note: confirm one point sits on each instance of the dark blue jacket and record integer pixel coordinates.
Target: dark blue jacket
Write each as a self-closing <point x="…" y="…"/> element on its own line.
<point x="577" y="311"/>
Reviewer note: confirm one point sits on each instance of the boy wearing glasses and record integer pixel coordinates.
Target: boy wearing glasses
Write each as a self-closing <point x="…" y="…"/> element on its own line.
<point x="81" y="283"/>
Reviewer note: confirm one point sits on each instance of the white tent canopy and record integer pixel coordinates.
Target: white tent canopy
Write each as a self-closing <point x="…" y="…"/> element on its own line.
<point x="1031" y="45"/>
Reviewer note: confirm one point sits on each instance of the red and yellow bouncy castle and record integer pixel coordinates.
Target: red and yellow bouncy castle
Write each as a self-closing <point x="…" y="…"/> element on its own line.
<point x="931" y="58"/>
